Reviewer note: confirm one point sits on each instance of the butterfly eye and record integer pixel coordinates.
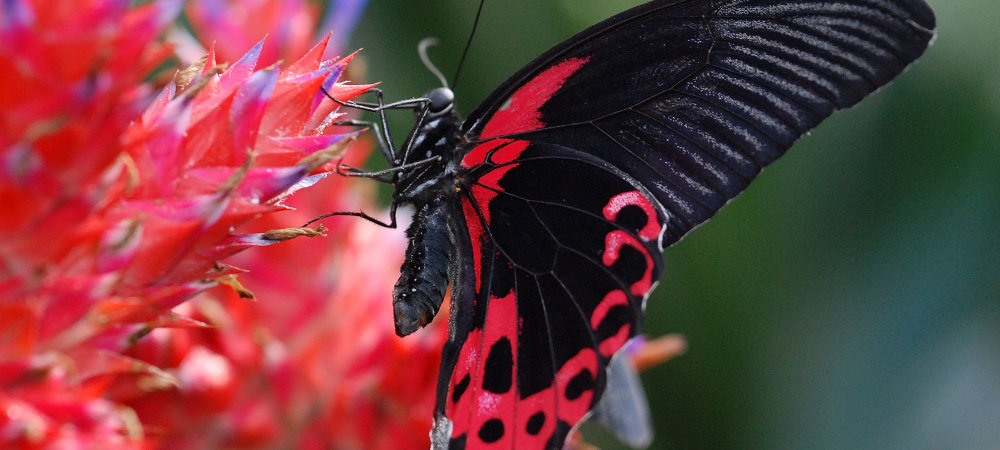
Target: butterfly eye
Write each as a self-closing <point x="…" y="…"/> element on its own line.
<point x="441" y="99"/>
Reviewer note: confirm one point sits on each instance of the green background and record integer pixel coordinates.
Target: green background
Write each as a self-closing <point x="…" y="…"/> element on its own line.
<point x="848" y="299"/>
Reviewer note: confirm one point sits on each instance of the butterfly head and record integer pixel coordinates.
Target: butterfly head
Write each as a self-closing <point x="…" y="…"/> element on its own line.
<point x="442" y="100"/>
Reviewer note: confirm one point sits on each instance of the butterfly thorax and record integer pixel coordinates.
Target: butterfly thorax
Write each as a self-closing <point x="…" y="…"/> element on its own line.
<point x="437" y="137"/>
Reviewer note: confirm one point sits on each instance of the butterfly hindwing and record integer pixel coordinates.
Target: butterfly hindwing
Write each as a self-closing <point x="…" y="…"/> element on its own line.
<point x="565" y="271"/>
<point x="577" y="171"/>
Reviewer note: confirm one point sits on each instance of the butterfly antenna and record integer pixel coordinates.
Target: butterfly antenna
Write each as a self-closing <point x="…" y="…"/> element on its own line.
<point x="422" y="49"/>
<point x="475" y="24"/>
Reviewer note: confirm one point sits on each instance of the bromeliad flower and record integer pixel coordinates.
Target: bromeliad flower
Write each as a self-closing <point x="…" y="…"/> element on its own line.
<point x="71" y="84"/>
<point x="120" y="204"/>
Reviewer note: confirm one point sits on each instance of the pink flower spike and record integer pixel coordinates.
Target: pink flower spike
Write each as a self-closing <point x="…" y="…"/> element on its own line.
<point x="159" y="104"/>
<point x="301" y="184"/>
<point x="247" y="109"/>
<point x="309" y="62"/>
<point x="208" y="70"/>
<point x="261" y="185"/>
<point x="308" y="145"/>
<point x="336" y="68"/>
<point x="290" y="111"/>
<point x="345" y="61"/>
<point x="204" y="209"/>
<point x="168" y="297"/>
<point x="239" y="71"/>
<point x="162" y="145"/>
<point x="345" y="91"/>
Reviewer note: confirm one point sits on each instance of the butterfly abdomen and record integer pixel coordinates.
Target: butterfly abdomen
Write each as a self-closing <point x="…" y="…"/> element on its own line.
<point x="423" y="278"/>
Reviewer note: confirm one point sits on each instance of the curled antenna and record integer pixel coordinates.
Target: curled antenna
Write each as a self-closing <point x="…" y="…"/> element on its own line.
<point x="422" y="49"/>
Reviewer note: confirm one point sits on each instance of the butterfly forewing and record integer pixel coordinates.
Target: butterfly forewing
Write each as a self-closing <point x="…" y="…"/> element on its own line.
<point x="693" y="97"/>
<point x="578" y="170"/>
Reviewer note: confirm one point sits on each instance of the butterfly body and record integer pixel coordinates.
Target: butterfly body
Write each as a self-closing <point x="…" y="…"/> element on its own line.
<point x="430" y="189"/>
<point x="548" y="209"/>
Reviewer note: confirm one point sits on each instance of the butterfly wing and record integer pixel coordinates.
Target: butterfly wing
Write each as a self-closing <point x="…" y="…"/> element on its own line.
<point x="613" y="144"/>
<point x="551" y="307"/>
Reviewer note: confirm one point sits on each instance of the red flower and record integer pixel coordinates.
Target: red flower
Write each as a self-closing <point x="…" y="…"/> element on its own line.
<point x="70" y="86"/>
<point x="119" y="324"/>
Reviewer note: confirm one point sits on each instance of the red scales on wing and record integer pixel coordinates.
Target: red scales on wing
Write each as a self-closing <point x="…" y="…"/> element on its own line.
<point x="562" y="274"/>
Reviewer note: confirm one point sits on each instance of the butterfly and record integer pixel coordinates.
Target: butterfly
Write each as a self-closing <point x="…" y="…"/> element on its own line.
<point x="547" y="210"/>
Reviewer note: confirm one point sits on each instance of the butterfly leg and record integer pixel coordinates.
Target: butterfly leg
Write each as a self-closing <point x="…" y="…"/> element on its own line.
<point x="390" y="224"/>
<point x="408" y="143"/>
<point x="411" y="103"/>
<point x="385" y="139"/>
<point x="379" y="175"/>
<point x="351" y="171"/>
<point x="383" y="145"/>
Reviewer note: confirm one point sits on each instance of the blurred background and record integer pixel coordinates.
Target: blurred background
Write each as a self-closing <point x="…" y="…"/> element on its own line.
<point x="851" y="297"/>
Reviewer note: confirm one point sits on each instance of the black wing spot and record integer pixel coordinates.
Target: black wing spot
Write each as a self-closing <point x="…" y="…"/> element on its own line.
<point x="632" y="218"/>
<point x="535" y="423"/>
<point x="491" y="431"/>
<point x="616" y="318"/>
<point x="582" y="383"/>
<point x="460" y="387"/>
<point x="498" y="375"/>
<point x="502" y="277"/>
<point x="631" y="264"/>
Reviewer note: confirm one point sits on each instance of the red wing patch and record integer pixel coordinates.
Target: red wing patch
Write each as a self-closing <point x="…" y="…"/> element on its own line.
<point x="481" y="153"/>
<point x="476" y="236"/>
<point x="635" y="198"/>
<point x="522" y="112"/>
<point x="616" y="240"/>
<point x="610" y="345"/>
<point x="497" y="151"/>
<point x="482" y="385"/>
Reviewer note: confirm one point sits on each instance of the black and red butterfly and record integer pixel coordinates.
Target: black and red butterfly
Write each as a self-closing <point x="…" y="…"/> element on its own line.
<point x="548" y="209"/>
